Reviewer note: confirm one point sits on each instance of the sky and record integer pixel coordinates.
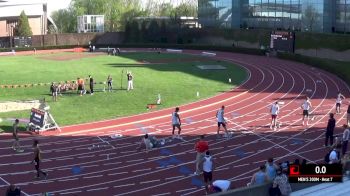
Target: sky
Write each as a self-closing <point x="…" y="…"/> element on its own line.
<point x="53" y="5"/>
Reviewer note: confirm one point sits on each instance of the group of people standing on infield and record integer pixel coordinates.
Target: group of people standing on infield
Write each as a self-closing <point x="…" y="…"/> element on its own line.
<point x="57" y="88"/>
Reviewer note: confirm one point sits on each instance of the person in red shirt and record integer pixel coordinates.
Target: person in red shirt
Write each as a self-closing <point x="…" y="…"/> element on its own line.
<point x="201" y="147"/>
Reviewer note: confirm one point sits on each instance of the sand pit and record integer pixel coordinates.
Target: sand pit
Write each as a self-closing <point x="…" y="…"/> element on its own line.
<point x="10" y="106"/>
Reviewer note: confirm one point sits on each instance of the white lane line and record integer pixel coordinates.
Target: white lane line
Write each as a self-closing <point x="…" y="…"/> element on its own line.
<point x="97" y="189"/>
<point x="140" y="170"/>
<point x="124" y="185"/>
<point x="184" y="190"/>
<point x="119" y="173"/>
<point x="86" y="166"/>
<point x="150" y="181"/>
<point x="174" y="177"/>
<point x="225" y="168"/>
<point x="69" y="179"/>
<point x="87" y="156"/>
<point x="72" y="192"/>
<point x="136" y="160"/>
<point x="241" y="165"/>
<point x="62" y="169"/>
<point x="127" y="152"/>
<point x="115" y="163"/>
<point x="88" y="177"/>
<point x="161" y="194"/>
<point x="63" y="159"/>
<point x="64" y="150"/>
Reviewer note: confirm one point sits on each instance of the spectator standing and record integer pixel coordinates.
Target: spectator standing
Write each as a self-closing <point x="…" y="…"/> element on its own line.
<point x="130" y="78"/>
<point x="208" y="167"/>
<point x="91" y="81"/>
<point x="330" y="129"/>
<point x="81" y="86"/>
<point x="12" y="190"/>
<point x="54" y="91"/>
<point x="348" y="115"/>
<point x="259" y="177"/>
<point x="281" y="183"/>
<point x="109" y="83"/>
<point x="271" y="169"/>
<point x="346" y="137"/>
<point x="200" y="147"/>
<point x="334" y="157"/>
<point x="37" y="160"/>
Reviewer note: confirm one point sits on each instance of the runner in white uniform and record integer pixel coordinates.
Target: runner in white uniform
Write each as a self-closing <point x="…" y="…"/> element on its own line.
<point x="208" y="167"/>
<point x="176" y="122"/>
<point x="339" y="100"/>
<point x="306" y="106"/>
<point x="221" y="185"/>
<point x="221" y="120"/>
<point x="130" y="81"/>
<point x="275" y="108"/>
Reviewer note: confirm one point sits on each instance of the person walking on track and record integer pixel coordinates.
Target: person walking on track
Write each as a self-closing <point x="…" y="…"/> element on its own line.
<point x="200" y="147"/>
<point x="338" y="101"/>
<point x="330" y="129"/>
<point x="306" y="106"/>
<point x="221" y="121"/>
<point x="37" y="159"/>
<point x="16" y="146"/>
<point x="176" y="122"/>
<point x="130" y="78"/>
<point x="275" y="108"/>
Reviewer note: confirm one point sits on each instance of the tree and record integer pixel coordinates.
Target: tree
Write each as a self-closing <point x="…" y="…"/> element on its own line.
<point x="23" y="28"/>
<point x="310" y="17"/>
<point x="65" y="20"/>
<point x="153" y="31"/>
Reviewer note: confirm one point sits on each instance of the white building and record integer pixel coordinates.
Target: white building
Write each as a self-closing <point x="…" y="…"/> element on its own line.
<point x="36" y="13"/>
<point x="91" y="23"/>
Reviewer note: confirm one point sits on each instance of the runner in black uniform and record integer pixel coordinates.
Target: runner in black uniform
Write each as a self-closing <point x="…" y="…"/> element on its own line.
<point x="37" y="159"/>
<point x="91" y="85"/>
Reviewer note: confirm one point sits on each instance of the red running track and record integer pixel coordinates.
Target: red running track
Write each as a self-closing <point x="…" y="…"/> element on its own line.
<point x="115" y="167"/>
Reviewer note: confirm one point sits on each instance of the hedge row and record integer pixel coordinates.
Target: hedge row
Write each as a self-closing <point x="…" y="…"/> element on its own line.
<point x="40" y="48"/>
<point x="338" y="68"/>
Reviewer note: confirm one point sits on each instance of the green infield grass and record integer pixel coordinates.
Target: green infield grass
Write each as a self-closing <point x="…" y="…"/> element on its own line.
<point x="175" y="77"/>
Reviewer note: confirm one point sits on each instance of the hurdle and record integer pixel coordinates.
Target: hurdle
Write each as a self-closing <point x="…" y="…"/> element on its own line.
<point x="173" y="51"/>
<point x="208" y="54"/>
